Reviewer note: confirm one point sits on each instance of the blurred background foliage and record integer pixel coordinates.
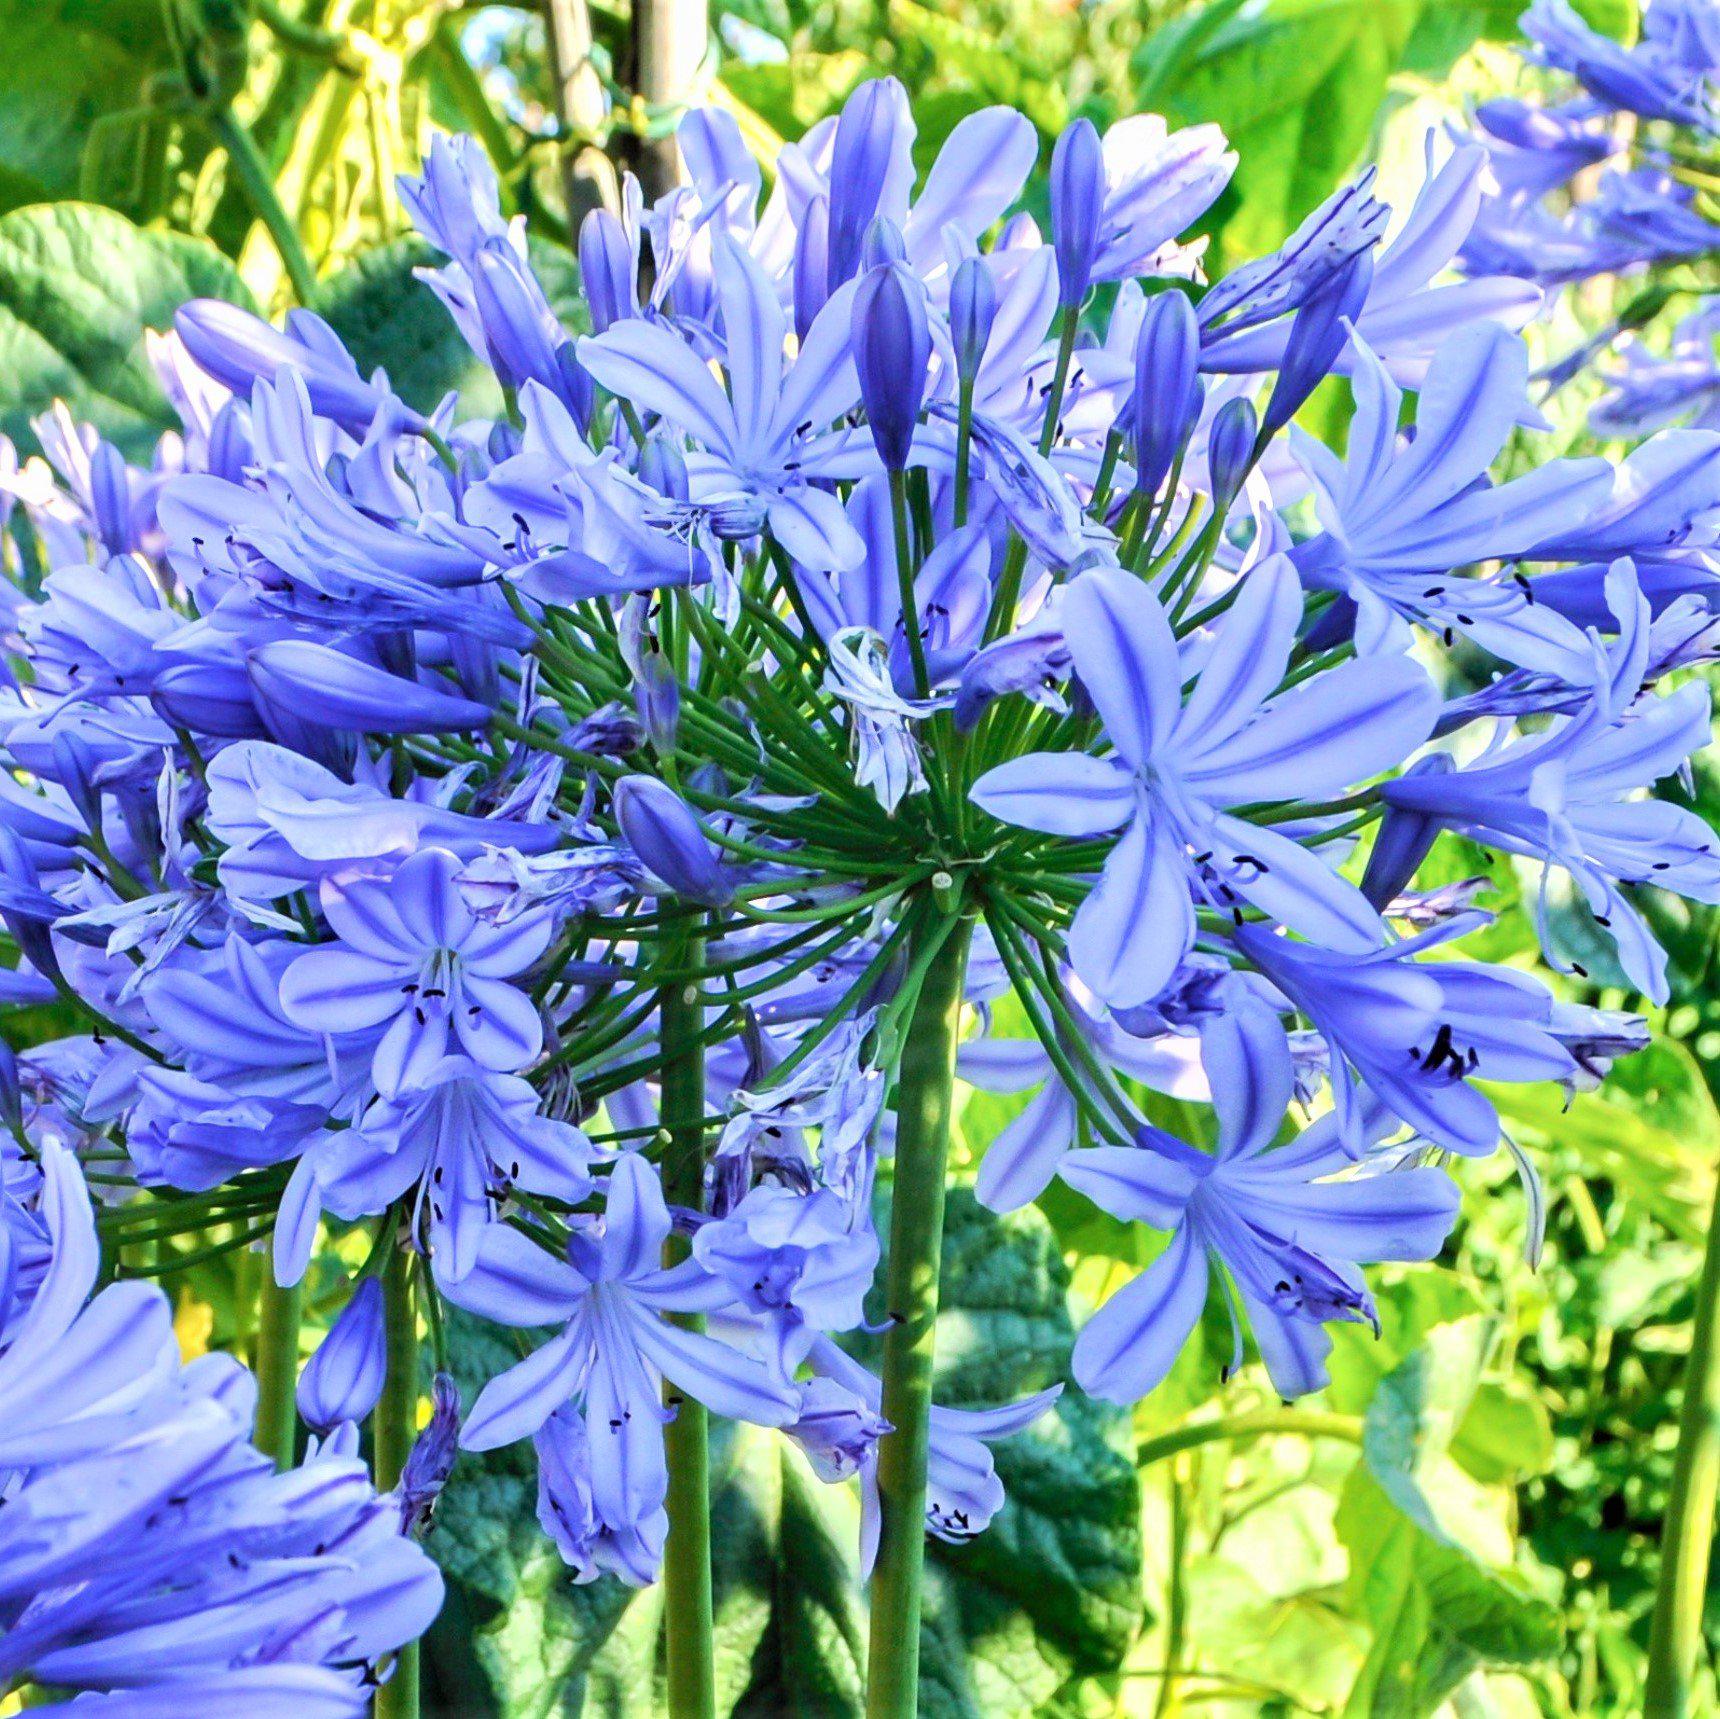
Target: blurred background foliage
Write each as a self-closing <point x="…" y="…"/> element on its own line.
<point x="1466" y="1522"/>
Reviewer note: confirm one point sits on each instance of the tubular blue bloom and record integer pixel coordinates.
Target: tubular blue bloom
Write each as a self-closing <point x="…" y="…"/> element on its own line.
<point x="1398" y="519"/>
<point x="286" y="822"/>
<point x="1319" y="331"/>
<point x="1347" y="224"/>
<point x="1177" y="768"/>
<point x="860" y="166"/>
<point x="608" y="269"/>
<point x="1151" y="183"/>
<point x="343" y="1380"/>
<point x="1167" y="397"/>
<point x="1408" y="311"/>
<point x="963" y="1492"/>
<point x="1645" y="80"/>
<point x="489" y="288"/>
<point x="145" y="1545"/>
<point x="1412" y="1034"/>
<point x="758" y="443"/>
<point x="1559" y="796"/>
<point x="326" y="686"/>
<point x="1287" y="1239"/>
<point x="892" y="346"/>
<point x="1230" y="451"/>
<point x="1077" y="208"/>
<point x="1650" y="391"/>
<point x="611" y="1296"/>
<point x="973" y="315"/>
<point x="238" y="349"/>
<point x="663" y="830"/>
<point x="808" y="1255"/>
<point x="414" y="960"/>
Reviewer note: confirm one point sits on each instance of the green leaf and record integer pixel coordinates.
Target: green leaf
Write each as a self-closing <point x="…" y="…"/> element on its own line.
<point x="1297" y="85"/>
<point x="79" y="285"/>
<point x="389" y="318"/>
<point x="1437" y="1610"/>
<point x="70" y="67"/>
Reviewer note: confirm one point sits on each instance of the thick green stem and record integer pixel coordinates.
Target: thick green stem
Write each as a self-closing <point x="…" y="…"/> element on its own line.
<point x="394" y="1427"/>
<point x="1305" y="1423"/>
<point x="924" y="1090"/>
<point x="1687" y="1538"/>
<point x="253" y="175"/>
<point x="692" y="1676"/>
<point x="277" y="1369"/>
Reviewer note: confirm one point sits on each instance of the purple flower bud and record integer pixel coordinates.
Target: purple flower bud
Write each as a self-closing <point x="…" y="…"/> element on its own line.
<point x="1167" y="397"/>
<point x="431" y="1458"/>
<point x="1318" y="333"/>
<point x="208" y="698"/>
<point x="657" y="698"/>
<point x="811" y="264"/>
<point x="320" y="684"/>
<point x="607" y="270"/>
<point x="1077" y="208"/>
<point x="865" y="148"/>
<point x="670" y="841"/>
<point x="884" y="244"/>
<point x="230" y="446"/>
<point x="110" y="498"/>
<point x="973" y="309"/>
<point x="520" y="332"/>
<point x="74" y="769"/>
<point x="343" y="1380"/>
<point x="1405" y="838"/>
<point x="1230" y="450"/>
<point x="238" y="349"/>
<point x="574" y="386"/>
<point x="892" y="346"/>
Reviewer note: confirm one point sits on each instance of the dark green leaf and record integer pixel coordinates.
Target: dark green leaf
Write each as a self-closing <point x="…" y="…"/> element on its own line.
<point x="79" y="285"/>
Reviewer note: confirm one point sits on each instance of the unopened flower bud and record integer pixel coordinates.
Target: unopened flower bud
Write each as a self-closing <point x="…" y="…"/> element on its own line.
<point x="1077" y="208"/>
<point x="343" y="1380"/>
<point x="892" y="347"/>
<point x="973" y="309"/>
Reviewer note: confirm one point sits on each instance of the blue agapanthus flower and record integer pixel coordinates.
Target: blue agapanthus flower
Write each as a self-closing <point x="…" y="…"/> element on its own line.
<point x="564" y="859"/>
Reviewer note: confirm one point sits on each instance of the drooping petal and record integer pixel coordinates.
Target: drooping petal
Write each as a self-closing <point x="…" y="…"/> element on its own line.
<point x="1131" y="1343"/>
<point x="514" y="1404"/>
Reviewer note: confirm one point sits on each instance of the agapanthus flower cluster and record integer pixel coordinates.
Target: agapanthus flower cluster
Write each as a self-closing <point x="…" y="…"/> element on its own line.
<point x="1616" y="177"/>
<point x="569" y="846"/>
<point x="150" y="1556"/>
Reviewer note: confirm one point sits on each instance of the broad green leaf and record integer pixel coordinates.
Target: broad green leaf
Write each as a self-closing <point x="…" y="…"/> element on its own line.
<point x="1437" y="1610"/>
<point x="79" y="285"/>
<point x="1297" y="86"/>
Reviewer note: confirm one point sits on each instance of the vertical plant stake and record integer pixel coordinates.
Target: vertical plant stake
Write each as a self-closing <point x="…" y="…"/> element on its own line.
<point x="559" y="859"/>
